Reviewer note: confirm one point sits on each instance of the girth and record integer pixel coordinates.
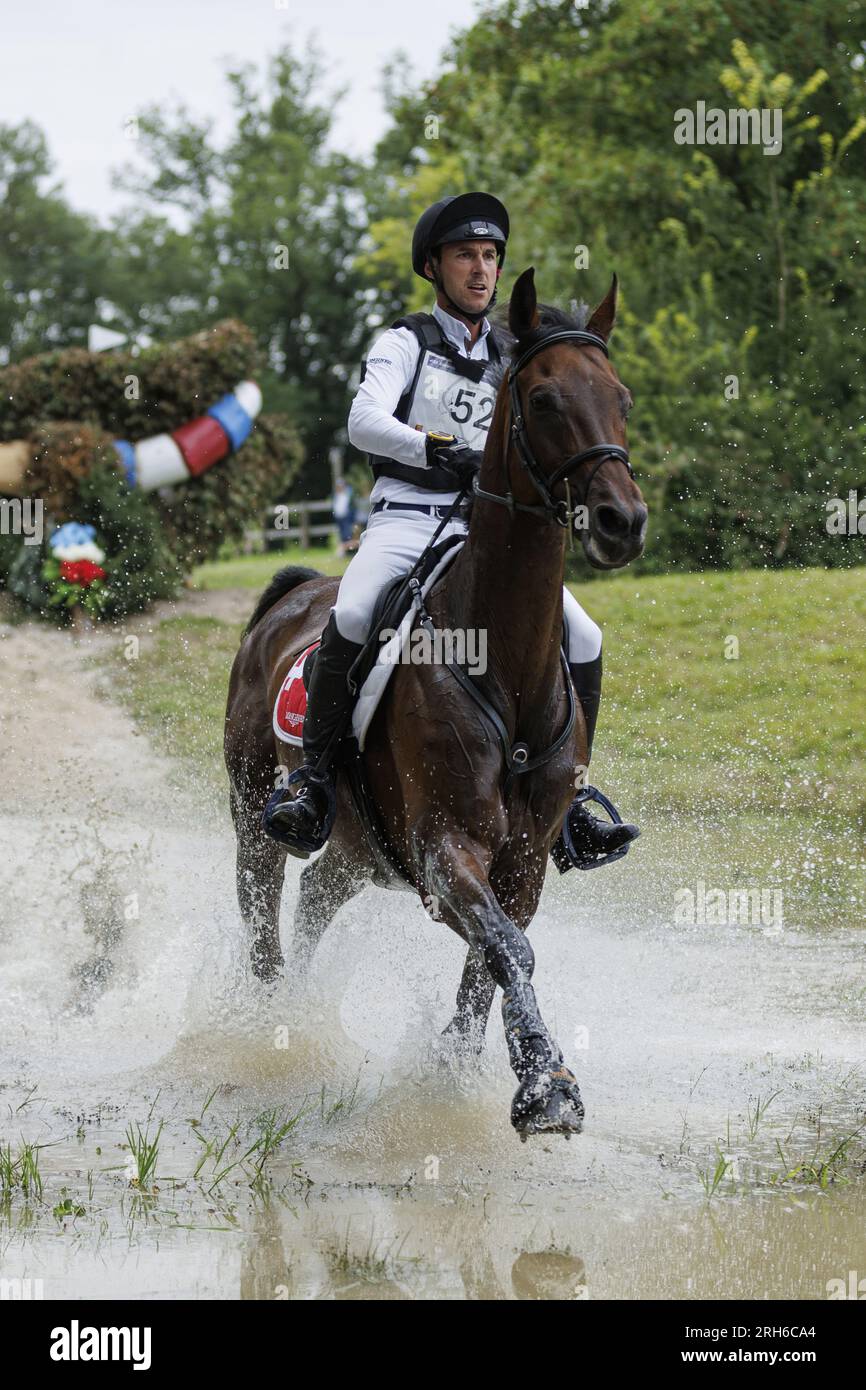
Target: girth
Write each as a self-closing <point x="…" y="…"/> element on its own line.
<point x="517" y="755"/>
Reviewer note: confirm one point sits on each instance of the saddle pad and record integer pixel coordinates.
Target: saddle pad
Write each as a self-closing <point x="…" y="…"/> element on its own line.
<point x="291" y="703"/>
<point x="290" y="707"/>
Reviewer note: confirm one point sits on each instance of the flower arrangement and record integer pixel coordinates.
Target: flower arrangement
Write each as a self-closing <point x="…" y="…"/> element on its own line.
<point x="74" y="570"/>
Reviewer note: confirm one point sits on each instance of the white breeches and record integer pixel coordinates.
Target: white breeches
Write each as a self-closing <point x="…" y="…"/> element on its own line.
<point x="390" y="546"/>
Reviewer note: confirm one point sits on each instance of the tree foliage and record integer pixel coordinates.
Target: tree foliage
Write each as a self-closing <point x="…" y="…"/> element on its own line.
<point x="733" y="263"/>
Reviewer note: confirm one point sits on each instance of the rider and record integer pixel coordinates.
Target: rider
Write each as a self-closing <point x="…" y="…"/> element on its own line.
<point x="409" y="398"/>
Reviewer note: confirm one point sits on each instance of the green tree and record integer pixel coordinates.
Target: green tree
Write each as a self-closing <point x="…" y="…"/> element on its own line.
<point x="264" y="227"/>
<point x="53" y="261"/>
<point x="732" y="262"/>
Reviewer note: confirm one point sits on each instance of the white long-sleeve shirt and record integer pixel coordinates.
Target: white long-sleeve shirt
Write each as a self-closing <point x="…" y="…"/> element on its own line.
<point x="390" y="368"/>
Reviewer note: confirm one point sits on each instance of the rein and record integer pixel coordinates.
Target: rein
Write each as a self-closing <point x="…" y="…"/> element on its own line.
<point x="551" y="508"/>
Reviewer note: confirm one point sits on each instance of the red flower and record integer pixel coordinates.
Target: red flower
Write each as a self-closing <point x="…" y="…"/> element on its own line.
<point x="81" y="572"/>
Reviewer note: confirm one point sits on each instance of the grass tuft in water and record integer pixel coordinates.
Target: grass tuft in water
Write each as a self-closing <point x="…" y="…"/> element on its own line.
<point x="838" y="1162"/>
<point x="20" y="1171"/>
<point x="67" y="1207"/>
<point x="755" y="1113"/>
<point x="712" y="1178"/>
<point x="344" y="1104"/>
<point x="274" y="1129"/>
<point x="145" y="1151"/>
<point x="372" y="1265"/>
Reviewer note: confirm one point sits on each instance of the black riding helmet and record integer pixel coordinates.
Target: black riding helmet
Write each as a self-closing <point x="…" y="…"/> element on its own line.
<point x="464" y="217"/>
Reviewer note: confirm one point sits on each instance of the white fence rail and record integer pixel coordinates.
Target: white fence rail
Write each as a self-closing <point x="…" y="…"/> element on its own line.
<point x="300" y="525"/>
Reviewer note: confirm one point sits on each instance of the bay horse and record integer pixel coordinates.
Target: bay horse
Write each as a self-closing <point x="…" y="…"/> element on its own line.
<point x="471" y="842"/>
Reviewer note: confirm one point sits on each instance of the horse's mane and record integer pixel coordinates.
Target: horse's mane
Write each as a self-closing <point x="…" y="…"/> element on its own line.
<point x="550" y="316"/>
<point x="282" y="583"/>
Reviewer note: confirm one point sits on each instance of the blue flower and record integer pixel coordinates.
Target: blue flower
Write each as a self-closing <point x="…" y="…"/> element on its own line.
<point x="73" y="533"/>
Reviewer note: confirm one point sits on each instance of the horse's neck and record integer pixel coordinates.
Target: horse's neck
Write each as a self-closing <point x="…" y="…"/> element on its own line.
<point x="507" y="581"/>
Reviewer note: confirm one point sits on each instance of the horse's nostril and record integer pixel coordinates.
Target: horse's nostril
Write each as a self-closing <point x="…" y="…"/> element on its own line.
<point x="612" y="521"/>
<point x="639" y="520"/>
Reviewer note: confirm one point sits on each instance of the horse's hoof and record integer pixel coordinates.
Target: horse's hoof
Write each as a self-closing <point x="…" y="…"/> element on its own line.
<point x="548" y="1103"/>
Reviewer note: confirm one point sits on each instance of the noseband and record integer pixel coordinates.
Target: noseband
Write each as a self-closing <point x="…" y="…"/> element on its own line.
<point x="558" y="509"/>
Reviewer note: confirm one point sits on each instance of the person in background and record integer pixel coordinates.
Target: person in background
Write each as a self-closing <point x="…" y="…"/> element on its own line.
<point x="343" y="512"/>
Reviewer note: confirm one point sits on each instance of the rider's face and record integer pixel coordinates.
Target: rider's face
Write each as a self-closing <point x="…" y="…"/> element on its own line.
<point x="468" y="270"/>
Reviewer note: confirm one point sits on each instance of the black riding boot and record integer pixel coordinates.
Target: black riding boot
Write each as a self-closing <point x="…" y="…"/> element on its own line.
<point x="300" y="816"/>
<point x="590" y="837"/>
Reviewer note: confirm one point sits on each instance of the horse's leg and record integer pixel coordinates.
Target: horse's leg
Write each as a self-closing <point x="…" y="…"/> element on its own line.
<point x="547" y="1098"/>
<point x="260" y="868"/>
<point x="477" y="987"/>
<point x="326" y="884"/>
<point x="474" y="1000"/>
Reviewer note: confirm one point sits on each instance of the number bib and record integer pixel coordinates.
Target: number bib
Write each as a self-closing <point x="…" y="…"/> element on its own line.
<point x="448" y="403"/>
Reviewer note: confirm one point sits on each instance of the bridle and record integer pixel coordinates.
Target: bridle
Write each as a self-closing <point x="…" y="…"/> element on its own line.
<point x="556" y="509"/>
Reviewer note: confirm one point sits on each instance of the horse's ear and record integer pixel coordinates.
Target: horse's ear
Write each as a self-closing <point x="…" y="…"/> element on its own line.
<point x="604" y="317"/>
<point x="523" y="305"/>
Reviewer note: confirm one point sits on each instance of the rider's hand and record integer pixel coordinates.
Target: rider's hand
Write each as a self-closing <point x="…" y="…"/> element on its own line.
<point x="446" y="451"/>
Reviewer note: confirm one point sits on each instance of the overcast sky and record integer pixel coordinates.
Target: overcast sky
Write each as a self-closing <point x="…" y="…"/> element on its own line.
<point x="79" y="68"/>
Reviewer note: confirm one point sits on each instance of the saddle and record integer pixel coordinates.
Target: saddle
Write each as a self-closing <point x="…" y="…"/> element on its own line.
<point x="392" y="605"/>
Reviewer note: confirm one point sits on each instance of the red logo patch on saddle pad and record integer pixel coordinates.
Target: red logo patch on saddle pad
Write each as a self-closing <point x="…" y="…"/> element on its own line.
<point x="291" y="706"/>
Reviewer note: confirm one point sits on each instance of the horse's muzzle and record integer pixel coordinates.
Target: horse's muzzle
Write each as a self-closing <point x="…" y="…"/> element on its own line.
<point x="616" y="534"/>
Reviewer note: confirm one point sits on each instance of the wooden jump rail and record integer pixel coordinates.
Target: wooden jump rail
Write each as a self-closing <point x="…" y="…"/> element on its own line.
<point x="305" y="530"/>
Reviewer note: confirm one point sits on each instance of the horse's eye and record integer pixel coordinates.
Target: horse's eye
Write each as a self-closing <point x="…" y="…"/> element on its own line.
<point x="544" y="400"/>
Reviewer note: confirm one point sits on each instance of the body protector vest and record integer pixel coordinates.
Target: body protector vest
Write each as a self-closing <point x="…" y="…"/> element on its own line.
<point x="449" y="394"/>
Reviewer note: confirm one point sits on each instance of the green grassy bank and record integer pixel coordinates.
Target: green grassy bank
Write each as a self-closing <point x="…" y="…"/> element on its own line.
<point x="732" y="726"/>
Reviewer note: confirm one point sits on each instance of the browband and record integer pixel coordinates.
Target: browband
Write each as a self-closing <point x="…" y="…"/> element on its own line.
<point x="564" y="335"/>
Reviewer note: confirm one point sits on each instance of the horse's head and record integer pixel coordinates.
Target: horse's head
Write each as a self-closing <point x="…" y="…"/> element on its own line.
<point x="569" y="408"/>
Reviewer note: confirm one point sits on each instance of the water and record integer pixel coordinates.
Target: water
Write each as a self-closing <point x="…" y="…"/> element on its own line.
<point x="126" y="1000"/>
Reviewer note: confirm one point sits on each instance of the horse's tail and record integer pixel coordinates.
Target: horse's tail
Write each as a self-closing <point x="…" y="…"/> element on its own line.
<point x="282" y="583"/>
